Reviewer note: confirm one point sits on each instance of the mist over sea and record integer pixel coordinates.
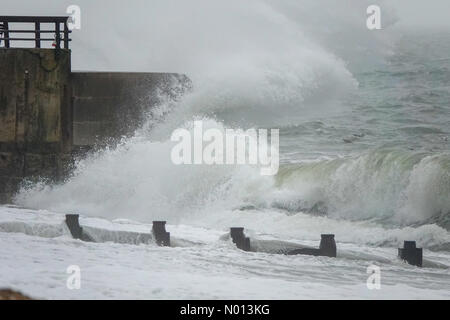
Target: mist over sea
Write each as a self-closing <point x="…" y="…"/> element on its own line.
<point x="363" y="117"/>
<point x="364" y="120"/>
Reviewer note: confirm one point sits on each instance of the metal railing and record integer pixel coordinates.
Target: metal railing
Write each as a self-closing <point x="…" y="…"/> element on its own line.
<point x="60" y="34"/>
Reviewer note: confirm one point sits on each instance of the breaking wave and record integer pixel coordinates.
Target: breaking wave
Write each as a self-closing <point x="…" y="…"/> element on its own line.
<point x="287" y="72"/>
<point x="390" y="186"/>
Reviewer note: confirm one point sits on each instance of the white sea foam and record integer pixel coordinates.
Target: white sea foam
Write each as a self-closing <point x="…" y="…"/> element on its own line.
<point x="258" y="64"/>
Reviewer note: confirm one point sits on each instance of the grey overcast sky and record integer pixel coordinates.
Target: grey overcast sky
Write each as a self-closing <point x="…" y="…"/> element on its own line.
<point x="423" y="12"/>
<point x="180" y="35"/>
<point x="410" y="12"/>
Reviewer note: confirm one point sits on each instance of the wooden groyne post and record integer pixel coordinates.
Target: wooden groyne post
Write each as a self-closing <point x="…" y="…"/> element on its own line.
<point x="73" y="223"/>
<point x="411" y="254"/>
<point x="239" y="238"/>
<point x="162" y="237"/>
<point x="327" y="246"/>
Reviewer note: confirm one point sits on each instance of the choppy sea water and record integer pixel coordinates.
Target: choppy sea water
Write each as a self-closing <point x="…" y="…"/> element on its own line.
<point x="364" y="155"/>
<point x="379" y="152"/>
<point x="385" y="155"/>
<point x="200" y="264"/>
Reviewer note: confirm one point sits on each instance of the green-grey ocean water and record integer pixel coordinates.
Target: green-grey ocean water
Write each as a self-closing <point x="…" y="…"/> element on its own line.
<point x="386" y="153"/>
<point x="360" y="141"/>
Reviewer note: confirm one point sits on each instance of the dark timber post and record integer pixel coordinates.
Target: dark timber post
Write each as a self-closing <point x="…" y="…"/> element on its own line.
<point x="328" y="246"/>
<point x="236" y="233"/>
<point x="239" y="238"/>
<point x="411" y="254"/>
<point x="37" y="27"/>
<point x="74" y="225"/>
<point x="75" y="229"/>
<point x="162" y="237"/>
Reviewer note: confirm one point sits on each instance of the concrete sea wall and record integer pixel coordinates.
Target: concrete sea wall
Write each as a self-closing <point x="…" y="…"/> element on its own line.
<point x="35" y="115"/>
<point x="107" y="105"/>
<point x="48" y="113"/>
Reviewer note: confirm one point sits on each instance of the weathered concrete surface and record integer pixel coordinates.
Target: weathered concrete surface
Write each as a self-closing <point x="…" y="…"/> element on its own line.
<point x="35" y="115"/>
<point x="108" y="105"/>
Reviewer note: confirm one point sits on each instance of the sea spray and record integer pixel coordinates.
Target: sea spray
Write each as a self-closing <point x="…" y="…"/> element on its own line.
<point x="274" y="66"/>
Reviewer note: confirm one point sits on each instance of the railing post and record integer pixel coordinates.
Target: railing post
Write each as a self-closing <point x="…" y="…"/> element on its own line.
<point x="58" y="35"/>
<point x="37" y="29"/>
<point x="66" y="35"/>
<point x="61" y="34"/>
<point x="6" y="33"/>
